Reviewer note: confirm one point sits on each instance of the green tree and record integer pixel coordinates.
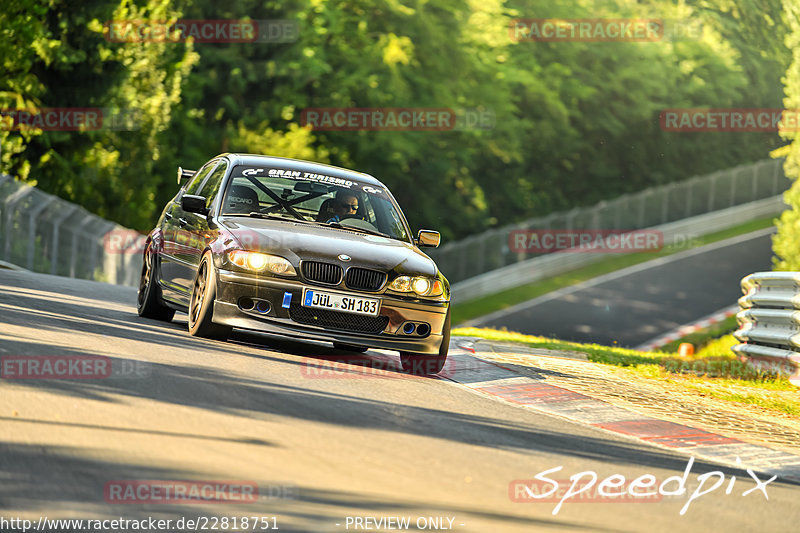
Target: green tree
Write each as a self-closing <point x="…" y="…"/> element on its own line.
<point x="114" y="173"/>
<point x="784" y="243"/>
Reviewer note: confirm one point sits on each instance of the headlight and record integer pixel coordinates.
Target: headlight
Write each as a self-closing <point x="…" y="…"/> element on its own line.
<point x="420" y="285"/>
<point x="262" y="262"/>
<point x="401" y="284"/>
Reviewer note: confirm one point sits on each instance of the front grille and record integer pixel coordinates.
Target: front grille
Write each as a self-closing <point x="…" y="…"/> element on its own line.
<point x="364" y="279"/>
<point x="338" y="320"/>
<point x="322" y="272"/>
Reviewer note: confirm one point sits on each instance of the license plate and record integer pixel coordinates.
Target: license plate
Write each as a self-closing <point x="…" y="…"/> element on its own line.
<point x="341" y="302"/>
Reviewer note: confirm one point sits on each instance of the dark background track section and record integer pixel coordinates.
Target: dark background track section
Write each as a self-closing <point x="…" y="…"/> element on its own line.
<point x="635" y="308"/>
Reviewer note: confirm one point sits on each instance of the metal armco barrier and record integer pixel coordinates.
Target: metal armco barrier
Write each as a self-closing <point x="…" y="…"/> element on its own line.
<point x="769" y="323"/>
<point x="43" y="233"/>
<point x="675" y="233"/>
<point x="489" y="252"/>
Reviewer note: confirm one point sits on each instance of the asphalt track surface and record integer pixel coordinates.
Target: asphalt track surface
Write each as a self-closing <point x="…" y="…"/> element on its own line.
<point x="635" y="305"/>
<point x="320" y="449"/>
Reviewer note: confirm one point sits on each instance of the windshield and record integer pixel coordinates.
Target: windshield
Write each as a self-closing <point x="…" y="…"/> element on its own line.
<point x="313" y="198"/>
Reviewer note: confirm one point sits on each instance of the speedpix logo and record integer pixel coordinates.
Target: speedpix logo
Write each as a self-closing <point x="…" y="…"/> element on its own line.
<point x="586" y="486"/>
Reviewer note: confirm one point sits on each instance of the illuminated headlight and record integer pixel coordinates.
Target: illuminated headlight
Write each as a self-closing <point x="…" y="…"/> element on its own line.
<point x="420" y="285"/>
<point x="262" y="262"/>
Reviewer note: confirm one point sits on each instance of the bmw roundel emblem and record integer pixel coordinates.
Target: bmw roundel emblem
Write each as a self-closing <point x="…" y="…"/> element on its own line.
<point x="344" y="257"/>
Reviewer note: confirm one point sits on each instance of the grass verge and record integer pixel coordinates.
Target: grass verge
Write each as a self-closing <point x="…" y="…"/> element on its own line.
<point x="502" y="300"/>
<point x="703" y="337"/>
<point x="713" y="371"/>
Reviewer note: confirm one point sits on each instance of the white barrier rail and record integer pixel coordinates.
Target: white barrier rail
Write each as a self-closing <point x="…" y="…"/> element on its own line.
<point x="491" y="250"/>
<point x="769" y="322"/>
<point x="43" y="233"/>
<point x="674" y="233"/>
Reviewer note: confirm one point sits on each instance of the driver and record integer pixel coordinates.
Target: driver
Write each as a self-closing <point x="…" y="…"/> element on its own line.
<point x="344" y="205"/>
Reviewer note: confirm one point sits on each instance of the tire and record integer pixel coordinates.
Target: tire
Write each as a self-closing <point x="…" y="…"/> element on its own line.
<point x="349" y="347"/>
<point x="201" y="304"/>
<point x="148" y="301"/>
<point x="425" y="364"/>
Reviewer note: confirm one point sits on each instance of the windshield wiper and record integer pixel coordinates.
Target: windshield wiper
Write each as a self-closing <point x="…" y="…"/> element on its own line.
<point x="272" y="216"/>
<point x="338" y="225"/>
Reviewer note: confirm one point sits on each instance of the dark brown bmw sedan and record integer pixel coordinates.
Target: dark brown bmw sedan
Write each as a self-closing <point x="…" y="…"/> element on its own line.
<point x="298" y="248"/>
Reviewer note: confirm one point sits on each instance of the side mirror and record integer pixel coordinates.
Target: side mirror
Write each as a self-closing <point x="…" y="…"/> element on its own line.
<point x="428" y="238"/>
<point x="185" y="175"/>
<point x="194" y="204"/>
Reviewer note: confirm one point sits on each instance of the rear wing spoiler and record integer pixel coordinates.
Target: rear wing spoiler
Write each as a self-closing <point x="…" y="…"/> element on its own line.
<point x="185" y="175"/>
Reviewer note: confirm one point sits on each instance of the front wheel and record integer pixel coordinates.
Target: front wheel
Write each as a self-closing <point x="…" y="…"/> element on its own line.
<point x="201" y="305"/>
<point x="148" y="302"/>
<point x="423" y="364"/>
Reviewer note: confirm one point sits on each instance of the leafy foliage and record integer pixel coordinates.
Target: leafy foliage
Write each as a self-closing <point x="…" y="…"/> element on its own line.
<point x="575" y="122"/>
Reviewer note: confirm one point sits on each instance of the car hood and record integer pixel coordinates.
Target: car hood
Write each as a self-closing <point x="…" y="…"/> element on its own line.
<point x="298" y="241"/>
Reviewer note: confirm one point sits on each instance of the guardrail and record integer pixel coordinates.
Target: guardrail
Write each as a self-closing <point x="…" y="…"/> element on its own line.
<point x="490" y="251"/>
<point x="549" y="265"/>
<point x="43" y="233"/>
<point x="769" y="323"/>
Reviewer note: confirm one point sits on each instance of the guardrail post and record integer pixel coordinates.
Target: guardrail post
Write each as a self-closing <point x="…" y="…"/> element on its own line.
<point x="775" y="178"/>
<point x="32" y="228"/>
<point x="768" y="323"/>
<point x="56" y="227"/>
<point x="124" y="260"/>
<point x="87" y="218"/>
<point x="665" y="206"/>
<point x="481" y="255"/>
<point x="734" y="179"/>
<point x="97" y="246"/>
<point x="642" y="203"/>
<point x="618" y="210"/>
<point x="596" y="214"/>
<point x="9" y="203"/>
<point x="712" y="191"/>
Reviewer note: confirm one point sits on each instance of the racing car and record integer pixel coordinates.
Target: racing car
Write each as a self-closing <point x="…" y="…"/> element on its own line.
<point x="301" y="249"/>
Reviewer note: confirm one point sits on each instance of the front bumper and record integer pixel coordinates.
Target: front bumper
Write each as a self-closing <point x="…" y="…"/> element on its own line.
<point x="233" y="286"/>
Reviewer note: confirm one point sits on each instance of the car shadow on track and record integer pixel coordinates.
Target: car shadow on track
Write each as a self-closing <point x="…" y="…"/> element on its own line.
<point x="33" y="481"/>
